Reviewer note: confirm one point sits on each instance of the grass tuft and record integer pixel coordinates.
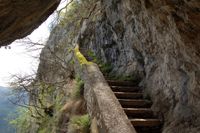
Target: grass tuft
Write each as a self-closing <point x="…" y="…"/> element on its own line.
<point x="78" y="90"/>
<point x="79" y="124"/>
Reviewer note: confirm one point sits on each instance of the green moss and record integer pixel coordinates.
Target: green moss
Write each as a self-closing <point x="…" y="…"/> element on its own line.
<point x="71" y="62"/>
<point x="82" y="60"/>
<point x="80" y="124"/>
<point x="104" y="67"/>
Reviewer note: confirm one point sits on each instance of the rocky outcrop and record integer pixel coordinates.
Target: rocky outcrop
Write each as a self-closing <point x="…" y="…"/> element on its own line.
<point x="152" y="40"/>
<point x="20" y="17"/>
<point x="157" y="41"/>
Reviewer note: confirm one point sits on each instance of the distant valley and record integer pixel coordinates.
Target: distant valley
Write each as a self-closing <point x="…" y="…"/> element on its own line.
<point x="6" y="109"/>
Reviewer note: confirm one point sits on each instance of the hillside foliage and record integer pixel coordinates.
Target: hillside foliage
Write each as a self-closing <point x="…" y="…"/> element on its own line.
<point x="49" y="107"/>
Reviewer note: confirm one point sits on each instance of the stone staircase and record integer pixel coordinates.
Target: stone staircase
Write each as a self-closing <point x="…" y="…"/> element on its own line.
<point x="136" y="107"/>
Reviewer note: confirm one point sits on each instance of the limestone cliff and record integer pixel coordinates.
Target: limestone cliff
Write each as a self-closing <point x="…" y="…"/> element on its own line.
<point x="152" y="40"/>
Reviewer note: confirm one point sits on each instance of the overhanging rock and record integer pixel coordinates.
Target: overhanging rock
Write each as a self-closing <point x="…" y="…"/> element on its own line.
<point x="18" y="18"/>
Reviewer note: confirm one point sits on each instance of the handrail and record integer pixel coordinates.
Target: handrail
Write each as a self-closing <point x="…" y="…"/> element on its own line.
<point x="102" y="104"/>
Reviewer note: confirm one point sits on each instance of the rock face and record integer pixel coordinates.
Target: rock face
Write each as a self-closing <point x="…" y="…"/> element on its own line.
<point x="20" y="17"/>
<point x="157" y="41"/>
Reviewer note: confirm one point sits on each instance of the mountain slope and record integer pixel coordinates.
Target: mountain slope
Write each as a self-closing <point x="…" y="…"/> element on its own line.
<point x="6" y="108"/>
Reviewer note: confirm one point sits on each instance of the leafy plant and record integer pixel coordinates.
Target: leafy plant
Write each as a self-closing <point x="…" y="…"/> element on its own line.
<point x="46" y="124"/>
<point x="80" y="124"/>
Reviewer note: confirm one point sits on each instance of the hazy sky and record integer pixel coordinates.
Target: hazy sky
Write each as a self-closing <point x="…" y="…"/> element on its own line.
<point x="17" y="60"/>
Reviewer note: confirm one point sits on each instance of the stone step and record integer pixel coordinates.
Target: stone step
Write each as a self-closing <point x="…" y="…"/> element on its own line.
<point x="125" y="89"/>
<point x="121" y="83"/>
<point x="155" y="129"/>
<point x="136" y="108"/>
<point x="135" y="103"/>
<point x="145" y="122"/>
<point x="127" y="95"/>
<point x="139" y="112"/>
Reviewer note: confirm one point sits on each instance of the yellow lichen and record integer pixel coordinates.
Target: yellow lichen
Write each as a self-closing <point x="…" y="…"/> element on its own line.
<point x="82" y="60"/>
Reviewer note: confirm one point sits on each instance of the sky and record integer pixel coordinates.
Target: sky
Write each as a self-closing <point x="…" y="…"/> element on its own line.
<point x="18" y="60"/>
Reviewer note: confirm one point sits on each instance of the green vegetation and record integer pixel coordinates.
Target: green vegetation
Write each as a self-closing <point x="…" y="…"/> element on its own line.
<point x="78" y="90"/>
<point x="41" y="115"/>
<point x="75" y="13"/>
<point x="80" y="57"/>
<point x="43" y="112"/>
<point x="22" y="120"/>
<point x="7" y="110"/>
<point x="104" y="67"/>
<point x="45" y="115"/>
<point x="46" y="124"/>
<point x="80" y="124"/>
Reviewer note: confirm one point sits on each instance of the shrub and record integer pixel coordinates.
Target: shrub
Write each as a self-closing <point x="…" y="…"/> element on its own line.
<point x="79" y="124"/>
<point x="78" y="90"/>
<point x="22" y="120"/>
